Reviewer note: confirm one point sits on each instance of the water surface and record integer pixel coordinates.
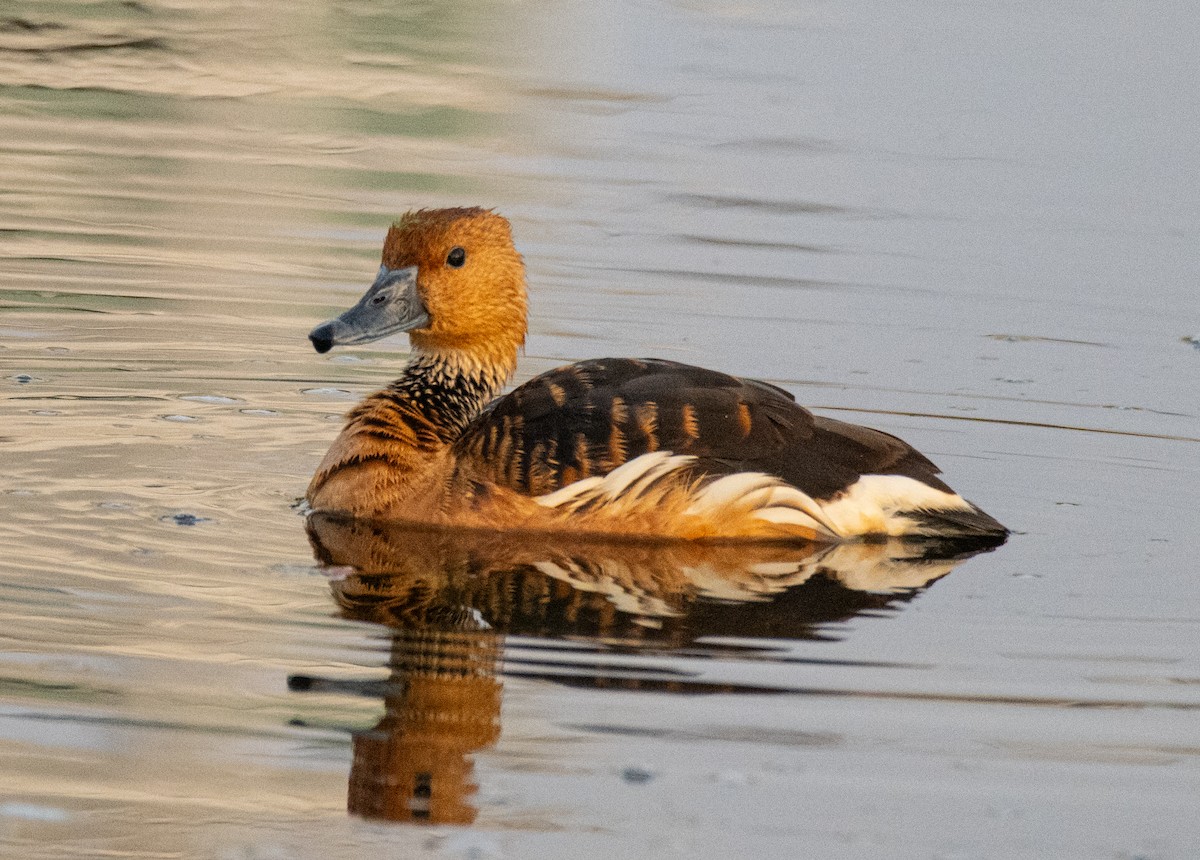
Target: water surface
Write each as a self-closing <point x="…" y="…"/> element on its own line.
<point x="972" y="225"/>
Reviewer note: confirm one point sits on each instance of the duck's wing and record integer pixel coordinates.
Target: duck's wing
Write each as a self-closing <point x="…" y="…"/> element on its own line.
<point x="589" y="418"/>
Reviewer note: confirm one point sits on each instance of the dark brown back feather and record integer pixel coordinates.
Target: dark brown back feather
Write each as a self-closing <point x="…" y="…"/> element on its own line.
<point x="588" y="418"/>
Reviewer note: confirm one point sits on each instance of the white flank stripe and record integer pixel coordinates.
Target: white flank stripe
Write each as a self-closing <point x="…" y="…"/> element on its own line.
<point x="568" y="493"/>
<point x="637" y="473"/>
<point x="640" y="482"/>
<point x="769" y="499"/>
<point x="872" y="505"/>
<point x="791" y="517"/>
<point x="730" y="489"/>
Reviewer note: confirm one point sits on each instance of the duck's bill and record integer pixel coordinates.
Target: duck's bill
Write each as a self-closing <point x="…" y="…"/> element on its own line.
<point x="391" y="305"/>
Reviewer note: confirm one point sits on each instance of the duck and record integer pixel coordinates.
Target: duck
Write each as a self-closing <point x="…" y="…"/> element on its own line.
<point x="611" y="448"/>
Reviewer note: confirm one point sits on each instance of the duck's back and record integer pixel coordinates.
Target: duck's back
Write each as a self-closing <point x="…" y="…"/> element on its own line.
<point x="589" y="418"/>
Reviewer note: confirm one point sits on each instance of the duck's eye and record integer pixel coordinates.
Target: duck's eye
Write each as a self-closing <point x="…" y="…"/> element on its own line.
<point x="456" y="258"/>
<point x="378" y="300"/>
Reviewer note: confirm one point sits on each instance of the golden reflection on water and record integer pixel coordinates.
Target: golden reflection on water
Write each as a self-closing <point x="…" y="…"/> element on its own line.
<point x="449" y="599"/>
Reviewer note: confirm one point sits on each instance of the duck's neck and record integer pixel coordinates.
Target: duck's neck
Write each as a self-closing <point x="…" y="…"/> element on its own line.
<point x="449" y="389"/>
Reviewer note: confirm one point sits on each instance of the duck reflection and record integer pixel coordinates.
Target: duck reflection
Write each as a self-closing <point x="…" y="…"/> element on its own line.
<point x="450" y="598"/>
<point x="442" y="704"/>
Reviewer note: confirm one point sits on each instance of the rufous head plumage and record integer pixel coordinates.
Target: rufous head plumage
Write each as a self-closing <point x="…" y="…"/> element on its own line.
<point x="469" y="277"/>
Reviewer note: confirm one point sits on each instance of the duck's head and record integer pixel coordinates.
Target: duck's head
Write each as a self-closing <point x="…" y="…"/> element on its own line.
<point x="452" y="279"/>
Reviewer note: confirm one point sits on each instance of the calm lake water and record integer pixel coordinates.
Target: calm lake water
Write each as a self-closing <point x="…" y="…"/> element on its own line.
<point x="976" y="225"/>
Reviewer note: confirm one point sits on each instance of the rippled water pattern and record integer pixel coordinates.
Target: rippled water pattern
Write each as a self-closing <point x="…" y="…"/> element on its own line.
<point x="973" y="225"/>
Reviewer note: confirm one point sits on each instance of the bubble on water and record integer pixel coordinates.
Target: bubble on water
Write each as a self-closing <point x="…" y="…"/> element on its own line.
<point x="209" y="398"/>
<point x="339" y="393"/>
<point x="638" y="774"/>
<point x="184" y="519"/>
<point x="180" y="418"/>
<point x="25" y="378"/>
<point x="264" y="413"/>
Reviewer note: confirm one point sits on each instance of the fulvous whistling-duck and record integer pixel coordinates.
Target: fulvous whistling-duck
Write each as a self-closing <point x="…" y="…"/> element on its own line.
<point x="630" y="448"/>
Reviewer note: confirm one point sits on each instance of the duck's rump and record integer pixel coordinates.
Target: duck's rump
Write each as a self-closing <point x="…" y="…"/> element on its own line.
<point x="588" y="419"/>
